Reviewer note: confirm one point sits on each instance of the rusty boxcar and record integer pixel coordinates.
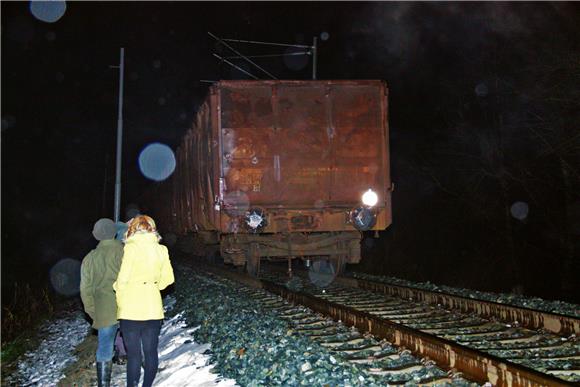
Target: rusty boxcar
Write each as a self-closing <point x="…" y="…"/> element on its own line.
<point x="276" y="170"/>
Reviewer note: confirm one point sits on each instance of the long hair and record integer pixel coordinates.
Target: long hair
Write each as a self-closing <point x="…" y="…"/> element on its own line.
<point x="141" y="224"/>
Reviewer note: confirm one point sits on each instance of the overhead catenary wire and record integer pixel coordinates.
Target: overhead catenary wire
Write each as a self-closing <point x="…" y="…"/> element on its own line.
<point x="240" y="54"/>
<point x="267" y="43"/>
<point x="236" y="67"/>
<point x="271" y="55"/>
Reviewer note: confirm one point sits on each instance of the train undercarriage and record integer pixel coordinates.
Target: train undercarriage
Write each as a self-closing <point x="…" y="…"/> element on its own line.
<point x="319" y="250"/>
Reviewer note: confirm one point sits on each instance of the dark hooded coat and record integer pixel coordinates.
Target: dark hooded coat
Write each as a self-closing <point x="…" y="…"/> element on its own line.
<point x="99" y="271"/>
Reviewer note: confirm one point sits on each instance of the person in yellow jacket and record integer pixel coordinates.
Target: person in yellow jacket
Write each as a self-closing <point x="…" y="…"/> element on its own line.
<point x="145" y="271"/>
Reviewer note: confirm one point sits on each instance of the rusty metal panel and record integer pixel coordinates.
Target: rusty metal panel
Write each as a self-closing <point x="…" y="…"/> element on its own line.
<point x="178" y="191"/>
<point x="311" y="146"/>
<point x="303" y="144"/>
<point x="201" y="197"/>
<point x="191" y="183"/>
<point x="249" y="145"/>
<point x="303" y="168"/>
<point x="357" y="142"/>
<point x="303" y="150"/>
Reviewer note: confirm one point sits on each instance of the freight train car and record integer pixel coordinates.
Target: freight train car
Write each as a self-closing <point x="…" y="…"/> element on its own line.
<point x="279" y="170"/>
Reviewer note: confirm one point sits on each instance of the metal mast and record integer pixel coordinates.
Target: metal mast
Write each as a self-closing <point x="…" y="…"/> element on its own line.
<point x="119" y="139"/>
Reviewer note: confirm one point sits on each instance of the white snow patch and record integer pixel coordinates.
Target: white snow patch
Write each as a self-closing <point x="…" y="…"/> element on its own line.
<point x="45" y="365"/>
<point x="181" y="360"/>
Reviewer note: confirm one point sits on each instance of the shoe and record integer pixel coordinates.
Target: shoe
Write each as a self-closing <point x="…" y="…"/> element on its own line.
<point x="120" y="360"/>
<point x="104" y="369"/>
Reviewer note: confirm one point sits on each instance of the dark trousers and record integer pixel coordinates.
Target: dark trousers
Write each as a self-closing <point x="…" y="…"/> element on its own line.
<point x="137" y="335"/>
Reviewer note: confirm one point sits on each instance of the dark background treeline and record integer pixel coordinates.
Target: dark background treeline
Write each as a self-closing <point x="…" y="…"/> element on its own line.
<point x="484" y="112"/>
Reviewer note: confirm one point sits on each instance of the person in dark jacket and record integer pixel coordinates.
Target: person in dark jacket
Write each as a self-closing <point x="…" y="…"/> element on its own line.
<point x="99" y="271"/>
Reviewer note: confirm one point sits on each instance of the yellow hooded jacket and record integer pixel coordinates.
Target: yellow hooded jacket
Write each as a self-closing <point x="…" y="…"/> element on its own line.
<point x="145" y="270"/>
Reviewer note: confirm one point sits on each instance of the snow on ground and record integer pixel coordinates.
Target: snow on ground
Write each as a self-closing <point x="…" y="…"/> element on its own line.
<point x="181" y="360"/>
<point x="45" y="365"/>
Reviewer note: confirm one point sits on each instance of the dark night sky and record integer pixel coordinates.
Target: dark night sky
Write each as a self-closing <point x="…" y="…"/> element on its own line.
<point x="457" y="72"/>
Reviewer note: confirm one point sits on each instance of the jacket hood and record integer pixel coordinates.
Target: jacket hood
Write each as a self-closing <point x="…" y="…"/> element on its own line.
<point x="144" y="237"/>
<point x="104" y="229"/>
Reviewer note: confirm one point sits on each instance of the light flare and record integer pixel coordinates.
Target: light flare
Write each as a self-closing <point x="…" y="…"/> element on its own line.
<point x="370" y="198"/>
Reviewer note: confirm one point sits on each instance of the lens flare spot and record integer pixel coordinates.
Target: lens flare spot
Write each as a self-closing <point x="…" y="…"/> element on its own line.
<point x="132" y="210"/>
<point x="322" y="273"/>
<point x="65" y="276"/>
<point x="519" y="210"/>
<point x="48" y="11"/>
<point x="324" y="35"/>
<point x="157" y="161"/>
<point x="481" y="90"/>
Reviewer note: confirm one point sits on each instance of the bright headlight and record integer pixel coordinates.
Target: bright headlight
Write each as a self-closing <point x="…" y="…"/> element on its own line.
<point x="370" y="198"/>
<point x="255" y="219"/>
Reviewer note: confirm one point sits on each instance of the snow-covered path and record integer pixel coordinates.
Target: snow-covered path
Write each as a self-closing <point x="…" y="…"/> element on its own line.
<point x="45" y="365"/>
<point x="181" y="360"/>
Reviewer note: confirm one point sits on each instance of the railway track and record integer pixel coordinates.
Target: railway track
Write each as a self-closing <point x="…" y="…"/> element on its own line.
<point x="390" y="364"/>
<point x="532" y="318"/>
<point x="470" y="336"/>
<point x="485" y="347"/>
<point x="375" y="362"/>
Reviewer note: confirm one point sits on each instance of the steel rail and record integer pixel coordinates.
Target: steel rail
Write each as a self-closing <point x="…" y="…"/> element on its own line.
<point x="528" y="318"/>
<point x="474" y="364"/>
<point x="534" y="319"/>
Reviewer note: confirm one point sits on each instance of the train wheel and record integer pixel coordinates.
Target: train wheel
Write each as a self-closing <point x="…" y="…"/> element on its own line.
<point x="253" y="260"/>
<point x="340" y="265"/>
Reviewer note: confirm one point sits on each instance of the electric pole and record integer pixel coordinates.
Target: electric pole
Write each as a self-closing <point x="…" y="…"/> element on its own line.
<point x="119" y="139"/>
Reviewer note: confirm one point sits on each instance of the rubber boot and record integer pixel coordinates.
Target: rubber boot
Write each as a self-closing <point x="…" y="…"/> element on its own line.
<point x="115" y="355"/>
<point x="104" y="369"/>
